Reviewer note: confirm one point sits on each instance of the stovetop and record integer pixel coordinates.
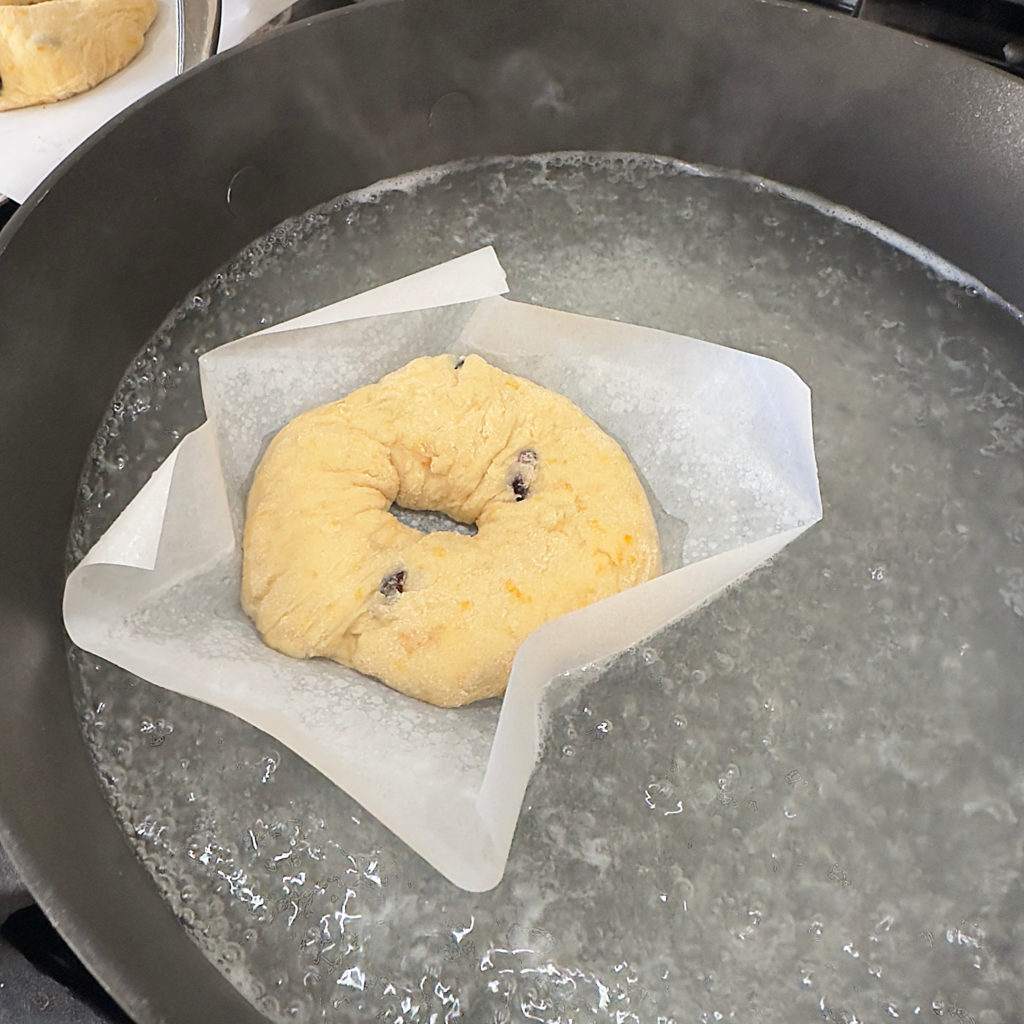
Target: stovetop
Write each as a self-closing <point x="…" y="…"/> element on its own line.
<point x="40" y="978"/>
<point x="992" y="30"/>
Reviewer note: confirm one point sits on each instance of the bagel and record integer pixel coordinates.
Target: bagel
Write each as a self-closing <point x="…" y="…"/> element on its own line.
<point x="52" y="49"/>
<point x="328" y="571"/>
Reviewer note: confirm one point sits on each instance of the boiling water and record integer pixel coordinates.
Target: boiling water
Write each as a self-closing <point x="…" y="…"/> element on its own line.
<point x="803" y="803"/>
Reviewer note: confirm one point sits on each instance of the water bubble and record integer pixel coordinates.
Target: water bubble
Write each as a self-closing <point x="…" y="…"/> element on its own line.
<point x="269" y="763"/>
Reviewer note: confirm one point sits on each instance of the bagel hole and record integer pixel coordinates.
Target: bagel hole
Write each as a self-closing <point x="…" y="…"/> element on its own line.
<point x="428" y="521"/>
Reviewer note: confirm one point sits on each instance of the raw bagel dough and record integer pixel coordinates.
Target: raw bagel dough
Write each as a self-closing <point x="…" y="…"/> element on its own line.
<point x="562" y="521"/>
<point x="54" y="48"/>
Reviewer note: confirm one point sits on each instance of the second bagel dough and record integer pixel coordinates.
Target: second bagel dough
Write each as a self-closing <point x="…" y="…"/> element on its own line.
<point x="52" y="49"/>
<point x="562" y="521"/>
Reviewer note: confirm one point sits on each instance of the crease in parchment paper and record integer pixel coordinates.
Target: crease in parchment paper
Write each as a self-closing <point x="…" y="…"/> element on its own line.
<point x="721" y="438"/>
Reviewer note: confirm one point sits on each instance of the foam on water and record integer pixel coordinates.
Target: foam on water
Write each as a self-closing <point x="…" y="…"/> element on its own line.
<point x="636" y="167"/>
<point x="802" y="803"/>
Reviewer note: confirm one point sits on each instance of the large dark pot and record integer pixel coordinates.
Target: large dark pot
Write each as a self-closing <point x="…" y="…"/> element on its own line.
<point x="169" y="191"/>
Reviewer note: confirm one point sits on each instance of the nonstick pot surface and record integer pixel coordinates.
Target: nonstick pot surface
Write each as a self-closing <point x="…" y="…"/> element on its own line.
<point x="913" y="570"/>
